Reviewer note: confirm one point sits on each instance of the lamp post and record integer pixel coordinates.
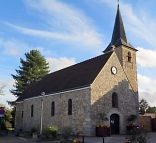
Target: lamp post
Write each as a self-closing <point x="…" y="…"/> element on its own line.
<point x="41" y="119"/>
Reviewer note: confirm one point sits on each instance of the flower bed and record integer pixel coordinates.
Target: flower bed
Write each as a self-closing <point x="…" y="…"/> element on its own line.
<point x="102" y="131"/>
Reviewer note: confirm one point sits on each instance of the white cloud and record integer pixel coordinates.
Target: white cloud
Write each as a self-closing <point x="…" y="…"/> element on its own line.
<point x="14" y="47"/>
<point x="149" y="97"/>
<point x="147" y="89"/>
<point x="8" y="84"/>
<point x="11" y="47"/>
<point x="60" y="63"/>
<point x="138" y="23"/>
<point x="146" y="83"/>
<point x="65" y="23"/>
<point x="146" y="57"/>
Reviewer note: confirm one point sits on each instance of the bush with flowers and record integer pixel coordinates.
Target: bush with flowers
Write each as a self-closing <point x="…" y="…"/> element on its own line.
<point x="76" y="141"/>
<point x="51" y="131"/>
<point x="102" y="129"/>
<point x="102" y="120"/>
<point x="131" y="126"/>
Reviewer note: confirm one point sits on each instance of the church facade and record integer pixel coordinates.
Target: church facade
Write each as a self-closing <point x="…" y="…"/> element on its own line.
<point x="74" y="96"/>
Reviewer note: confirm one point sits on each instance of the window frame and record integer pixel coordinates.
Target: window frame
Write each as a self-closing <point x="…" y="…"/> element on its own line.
<point x="114" y="100"/>
<point x="52" y="108"/>
<point x="32" y="111"/>
<point x="22" y="114"/>
<point x="70" y="107"/>
<point x="129" y="57"/>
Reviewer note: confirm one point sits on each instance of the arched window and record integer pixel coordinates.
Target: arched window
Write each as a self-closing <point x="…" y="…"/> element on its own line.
<point x="114" y="100"/>
<point x="22" y="113"/>
<point x="69" y="107"/>
<point x="129" y="57"/>
<point x="32" y="110"/>
<point x="52" y="108"/>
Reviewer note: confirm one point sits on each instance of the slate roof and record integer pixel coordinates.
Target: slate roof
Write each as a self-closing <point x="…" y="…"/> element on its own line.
<point x="119" y="35"/>
<point x="73" y="77"/>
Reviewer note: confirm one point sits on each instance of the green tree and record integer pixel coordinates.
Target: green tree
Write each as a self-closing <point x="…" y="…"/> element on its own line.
<point x="32" y="69"/>
<point x="143" y="105"/>
<point x="151" y="109"/>
<point x="5" y="122"/>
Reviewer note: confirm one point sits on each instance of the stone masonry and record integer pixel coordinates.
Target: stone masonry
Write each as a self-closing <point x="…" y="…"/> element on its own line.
<point x="87" y="103"/>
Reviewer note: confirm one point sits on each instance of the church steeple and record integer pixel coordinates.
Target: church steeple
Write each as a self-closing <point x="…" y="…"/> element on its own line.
<point x="119" y="35"/>
<point x="124" y="51"/>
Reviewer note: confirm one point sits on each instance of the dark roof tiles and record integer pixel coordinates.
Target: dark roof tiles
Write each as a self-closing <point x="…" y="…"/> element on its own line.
<point x="76" y="76"/>
<point x="119" y="35"/>
<point x="119" y="31"/>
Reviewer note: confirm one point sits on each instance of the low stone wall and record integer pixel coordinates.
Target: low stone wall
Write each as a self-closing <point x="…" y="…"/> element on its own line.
<point x="145" y="123"/>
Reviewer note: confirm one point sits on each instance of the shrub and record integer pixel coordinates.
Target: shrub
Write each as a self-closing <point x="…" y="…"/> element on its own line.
<point x="52" y="130"/>
<point x="138" y="136"/>
<point x="33" y="130"/>
<point x="76" y="141"/>
<point x="66" y="132"/>
<point x="132" y="118"/>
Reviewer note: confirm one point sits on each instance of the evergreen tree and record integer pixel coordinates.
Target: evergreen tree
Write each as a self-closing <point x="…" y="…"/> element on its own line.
<point x="143" y="105"/>
<point x="31" y="70"/>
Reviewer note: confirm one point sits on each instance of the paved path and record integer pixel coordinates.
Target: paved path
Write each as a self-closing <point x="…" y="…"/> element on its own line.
<point x="113" y="139"/>
<point x="12" y="139"/>
<point x="119" y="139"/>
<point x="152" y="138"/>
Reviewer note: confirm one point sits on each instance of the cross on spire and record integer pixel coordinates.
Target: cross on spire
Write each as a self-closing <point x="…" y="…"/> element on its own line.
<point x="119" y="35"/>
<point x="119" y="31"/>
<point x="118" y="3"/>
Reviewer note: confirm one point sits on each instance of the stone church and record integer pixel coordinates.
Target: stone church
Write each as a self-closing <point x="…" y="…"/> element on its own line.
<point x="74" y="96"/>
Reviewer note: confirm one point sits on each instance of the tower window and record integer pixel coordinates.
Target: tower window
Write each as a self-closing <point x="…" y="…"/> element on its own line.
<point x="114" y="100"/>
<point x="32" y="110"/>
<point x="69" y="107"/>
<point x="52" y="108"/>
<point x="129" y="57"/>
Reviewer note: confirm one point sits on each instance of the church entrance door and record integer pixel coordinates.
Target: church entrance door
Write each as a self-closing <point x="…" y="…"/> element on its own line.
<point x="114" y="124"/>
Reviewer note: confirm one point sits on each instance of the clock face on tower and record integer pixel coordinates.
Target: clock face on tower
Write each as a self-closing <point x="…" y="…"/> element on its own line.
<point x="114" y="70"/>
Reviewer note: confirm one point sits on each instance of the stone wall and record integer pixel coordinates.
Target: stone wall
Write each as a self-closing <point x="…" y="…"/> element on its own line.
<point x="145" y="123"/>
<point x="18" y="117"/>
<point x="87" y="103"/>
<point x="129" y="67"/>
<point x="79" y="120"/>
<point x="102" y="88"/>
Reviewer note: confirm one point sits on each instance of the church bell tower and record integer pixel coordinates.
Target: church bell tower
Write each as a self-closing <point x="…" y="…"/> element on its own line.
<point x="126" y="53"/>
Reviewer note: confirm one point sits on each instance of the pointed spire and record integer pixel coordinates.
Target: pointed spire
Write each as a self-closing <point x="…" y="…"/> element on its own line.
<point x="119" y="31"/>
<point x="119" y="35"/>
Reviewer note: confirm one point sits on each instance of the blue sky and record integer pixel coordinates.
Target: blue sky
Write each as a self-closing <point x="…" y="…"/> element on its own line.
<point x="70" y="31"/>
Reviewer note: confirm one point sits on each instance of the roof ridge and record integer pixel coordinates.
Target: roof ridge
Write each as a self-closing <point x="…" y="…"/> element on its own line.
<point x="78" y="63"/>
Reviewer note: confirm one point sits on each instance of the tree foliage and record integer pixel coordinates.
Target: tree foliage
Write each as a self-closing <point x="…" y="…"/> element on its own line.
<point x="143" y="105"/>
<point x="6" y="122"/>
<point x="32" y="69"/>
<point x="151" y="109"/>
